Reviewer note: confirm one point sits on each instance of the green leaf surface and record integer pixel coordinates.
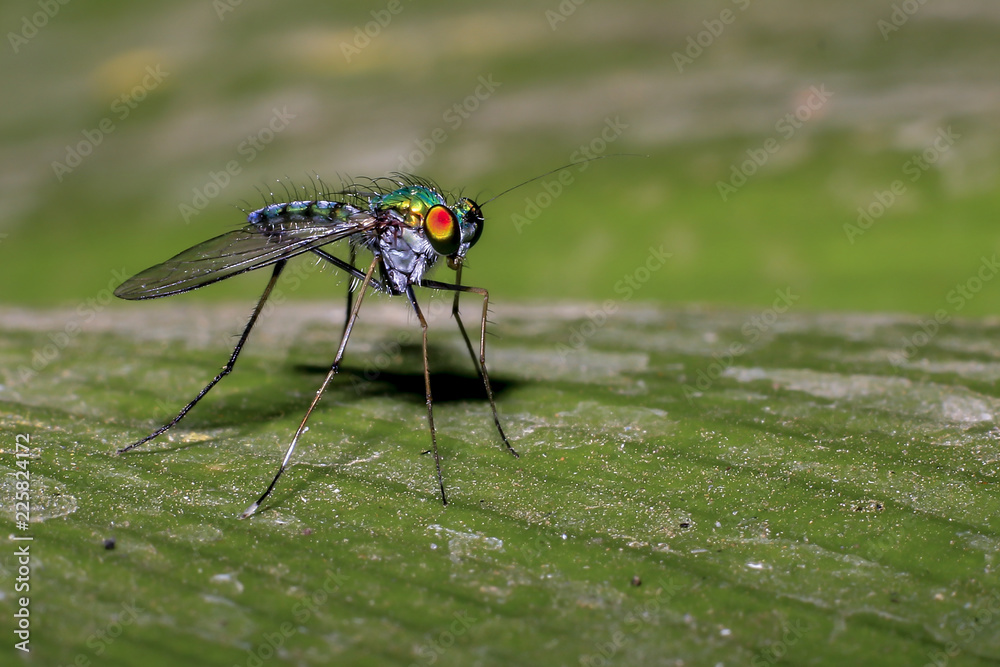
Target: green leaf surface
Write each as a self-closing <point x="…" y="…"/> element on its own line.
<point x="695" y="487"/>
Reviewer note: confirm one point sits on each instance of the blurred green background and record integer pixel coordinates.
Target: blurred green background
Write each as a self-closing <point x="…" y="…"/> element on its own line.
<point x="785" y="485"/>
<point x="699" y="104"/>
<point x="804" y="487"/>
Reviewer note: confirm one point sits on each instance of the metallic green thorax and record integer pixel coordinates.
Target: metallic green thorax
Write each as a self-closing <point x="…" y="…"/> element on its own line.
<point x="412" y="203"/>
<point x="404" y="240"/>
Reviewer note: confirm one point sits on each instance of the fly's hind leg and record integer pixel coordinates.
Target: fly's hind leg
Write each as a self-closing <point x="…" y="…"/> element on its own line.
<point x="226" y="370"/>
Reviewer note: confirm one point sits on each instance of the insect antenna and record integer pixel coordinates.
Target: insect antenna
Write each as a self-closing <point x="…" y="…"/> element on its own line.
<point x="558" y="169"/>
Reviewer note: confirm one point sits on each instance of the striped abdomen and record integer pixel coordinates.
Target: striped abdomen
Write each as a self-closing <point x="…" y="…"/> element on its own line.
<point x="274" y="217"/>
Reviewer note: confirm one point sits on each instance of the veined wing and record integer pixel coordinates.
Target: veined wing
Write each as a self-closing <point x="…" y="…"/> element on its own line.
<point x="230" y="254"/>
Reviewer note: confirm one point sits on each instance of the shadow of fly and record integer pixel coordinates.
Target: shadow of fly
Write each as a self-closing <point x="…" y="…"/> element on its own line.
<point x="404" y="222"/>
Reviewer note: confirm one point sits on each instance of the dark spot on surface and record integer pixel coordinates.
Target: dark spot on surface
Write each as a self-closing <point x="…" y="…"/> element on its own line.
<point x="636" y="581"/>
<point x="109" y="543"/>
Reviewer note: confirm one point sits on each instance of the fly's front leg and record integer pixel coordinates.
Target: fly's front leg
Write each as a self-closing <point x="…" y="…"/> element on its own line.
<point x="427" y="390"/>
<point x="481" y="360"/>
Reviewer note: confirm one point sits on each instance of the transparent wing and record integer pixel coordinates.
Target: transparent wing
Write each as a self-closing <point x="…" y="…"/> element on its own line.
<point x="236" y="252"/>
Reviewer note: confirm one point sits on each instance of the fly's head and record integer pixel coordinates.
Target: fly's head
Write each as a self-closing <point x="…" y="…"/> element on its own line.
<point x="452" y="231"/>
<point x="449" y="229"/>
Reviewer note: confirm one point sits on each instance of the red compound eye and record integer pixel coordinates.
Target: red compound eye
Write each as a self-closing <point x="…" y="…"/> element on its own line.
<point x="442" y="230"/>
